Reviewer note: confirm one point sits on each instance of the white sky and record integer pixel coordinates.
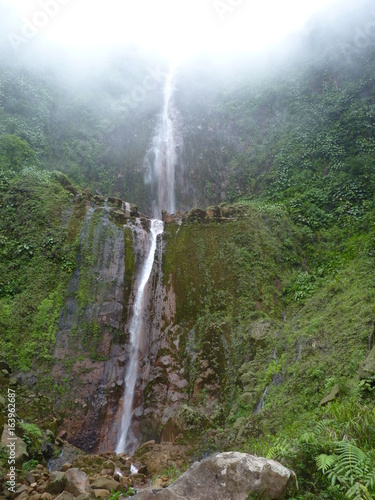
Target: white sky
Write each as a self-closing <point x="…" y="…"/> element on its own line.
<point x="174" y="27"/>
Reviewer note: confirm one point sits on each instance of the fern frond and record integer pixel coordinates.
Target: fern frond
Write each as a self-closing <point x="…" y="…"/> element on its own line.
<point x="349" y="456"/>
<point x="358" y="492"/>
<point x="325" y="462"/>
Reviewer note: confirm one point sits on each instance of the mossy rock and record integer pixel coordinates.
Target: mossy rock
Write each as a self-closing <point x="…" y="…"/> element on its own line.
<point x="367" y="368"/>
<point x="188" y="422"/>
<point x="51" y="426"/>
<point x="248" y="398"/>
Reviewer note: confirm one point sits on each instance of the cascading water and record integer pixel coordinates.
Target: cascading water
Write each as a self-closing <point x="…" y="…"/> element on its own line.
<point x="162" y="157"/>
<point x="127" y="441"/>
<point x="161" y="161"/>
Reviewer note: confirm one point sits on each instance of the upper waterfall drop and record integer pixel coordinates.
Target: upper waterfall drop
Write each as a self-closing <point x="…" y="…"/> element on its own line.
<point x="127" y="441"/>
<point x="162" y="157"/>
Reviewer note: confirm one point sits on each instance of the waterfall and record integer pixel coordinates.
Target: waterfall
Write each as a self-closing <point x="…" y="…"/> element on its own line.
<point x="162" y="157"/>
<point x="127" y="441"/>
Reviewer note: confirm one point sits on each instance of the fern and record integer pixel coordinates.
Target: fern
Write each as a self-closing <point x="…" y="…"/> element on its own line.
<point x="325" y="462"/>
<point x="351" y="463"/>
<point x="359" y="492"/>
<point x="351" y="467"/>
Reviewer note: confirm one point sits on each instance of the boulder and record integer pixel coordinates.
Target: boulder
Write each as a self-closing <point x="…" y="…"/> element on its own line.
<point x="77" y="483"/>
<point x="103" y="483"/>
<point x="65" y="496"/>
<point x="331" y="396"/>
<point x="102" y="493"/>
<point x="367" y="368"/>
<point x="57" y="483"/>
<point x="229" y="475"/>
<point x="21" y="454"/>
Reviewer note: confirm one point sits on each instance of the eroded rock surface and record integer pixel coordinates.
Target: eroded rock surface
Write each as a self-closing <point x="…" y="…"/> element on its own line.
<point x="228" y="476"/>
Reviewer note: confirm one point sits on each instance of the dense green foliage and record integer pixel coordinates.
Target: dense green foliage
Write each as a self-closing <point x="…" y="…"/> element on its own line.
<point x="277" y="300"/>
<point x="37" y="259"/>
<point x="96" y="130"/>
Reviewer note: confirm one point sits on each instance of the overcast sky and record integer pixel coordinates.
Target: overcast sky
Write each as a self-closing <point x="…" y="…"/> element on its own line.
<point x="174" y="27"/>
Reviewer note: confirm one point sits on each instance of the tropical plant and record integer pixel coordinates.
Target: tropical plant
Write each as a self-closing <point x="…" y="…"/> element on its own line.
<point x="351" y="467"/>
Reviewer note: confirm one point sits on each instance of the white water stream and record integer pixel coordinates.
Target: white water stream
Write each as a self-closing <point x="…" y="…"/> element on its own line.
<point x="161" y="160"/>
<point x="162" y="156"/>
<point x="126" y="440"/>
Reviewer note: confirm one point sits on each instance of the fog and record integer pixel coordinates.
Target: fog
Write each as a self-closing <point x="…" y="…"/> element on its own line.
<point x="174" y="29"/>
<point x="99" y="72"/>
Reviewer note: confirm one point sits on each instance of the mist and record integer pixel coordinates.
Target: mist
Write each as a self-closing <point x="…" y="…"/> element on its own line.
<point x="105" y="83"/>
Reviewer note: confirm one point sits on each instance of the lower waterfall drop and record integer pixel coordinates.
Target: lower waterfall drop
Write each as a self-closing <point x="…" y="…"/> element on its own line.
<point x="127" y="441"/>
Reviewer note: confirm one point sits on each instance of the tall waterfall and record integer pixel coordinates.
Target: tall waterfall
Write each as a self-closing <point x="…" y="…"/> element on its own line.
<point x="162" y="157"/>
<point x="127" y="441"/>
<point x="161" y="161"/>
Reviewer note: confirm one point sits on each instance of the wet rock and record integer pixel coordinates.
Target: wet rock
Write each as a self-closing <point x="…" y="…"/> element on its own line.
<point x="47" y="449"/>
<point x="66" y="467"/>
<point x="77" y="483"/>
<point x="121" y="361"/>
<point x="118" y="216"/>
<point x="229" y="475"/>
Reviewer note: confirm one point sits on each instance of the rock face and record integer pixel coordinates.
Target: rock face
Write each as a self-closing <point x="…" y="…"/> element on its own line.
<point x="229" y="476"/>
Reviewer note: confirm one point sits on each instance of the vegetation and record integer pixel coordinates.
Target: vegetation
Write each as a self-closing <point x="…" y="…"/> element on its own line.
<point x="274" y="298"/>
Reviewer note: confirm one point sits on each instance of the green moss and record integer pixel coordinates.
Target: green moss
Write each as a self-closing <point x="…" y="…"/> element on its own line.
<point x="129" y="270"/>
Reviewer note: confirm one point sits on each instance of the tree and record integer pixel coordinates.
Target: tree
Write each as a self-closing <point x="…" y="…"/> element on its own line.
<point x="15" y="153"/>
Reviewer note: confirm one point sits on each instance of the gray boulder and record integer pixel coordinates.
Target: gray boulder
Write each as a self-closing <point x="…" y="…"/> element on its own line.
<point x="228" y="476"/>
<point x="19" y="453"/>
<point x="77" y="483"/>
